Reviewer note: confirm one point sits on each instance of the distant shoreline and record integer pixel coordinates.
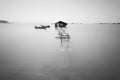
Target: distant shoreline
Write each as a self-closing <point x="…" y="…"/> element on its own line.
<point x="5" y="21"/>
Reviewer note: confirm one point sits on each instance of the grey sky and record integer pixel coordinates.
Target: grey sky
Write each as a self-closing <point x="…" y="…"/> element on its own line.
<point x="54" y="10"/>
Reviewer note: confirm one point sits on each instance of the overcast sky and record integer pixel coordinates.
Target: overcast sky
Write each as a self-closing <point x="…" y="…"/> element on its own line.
<point x="55" y="10"/>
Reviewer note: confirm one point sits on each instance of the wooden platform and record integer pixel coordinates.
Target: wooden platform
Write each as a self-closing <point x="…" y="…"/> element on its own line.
<point x="63" y="37"/>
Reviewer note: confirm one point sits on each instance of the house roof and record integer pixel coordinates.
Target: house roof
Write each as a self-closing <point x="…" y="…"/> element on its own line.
<point x="62" y="22"/>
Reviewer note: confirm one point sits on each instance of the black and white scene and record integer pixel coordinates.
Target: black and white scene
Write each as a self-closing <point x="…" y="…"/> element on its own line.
<point x="59" y="39"/>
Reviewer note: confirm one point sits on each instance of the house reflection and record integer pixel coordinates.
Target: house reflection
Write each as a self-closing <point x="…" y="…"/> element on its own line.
<point x="64" y="42"/>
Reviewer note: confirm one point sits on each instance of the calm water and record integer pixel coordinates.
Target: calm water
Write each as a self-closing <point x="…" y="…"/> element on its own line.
<point x="92" y="53"/>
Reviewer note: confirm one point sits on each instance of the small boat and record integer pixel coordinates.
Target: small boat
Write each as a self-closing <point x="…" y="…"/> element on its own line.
<point x="37" y="27"/>
<point x="42" y="27"/>
<point x="46" y="26"/>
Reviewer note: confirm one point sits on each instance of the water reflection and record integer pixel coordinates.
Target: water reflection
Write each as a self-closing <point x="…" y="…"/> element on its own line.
<point x="63" y="36"/>
<point x="64" y="40"/>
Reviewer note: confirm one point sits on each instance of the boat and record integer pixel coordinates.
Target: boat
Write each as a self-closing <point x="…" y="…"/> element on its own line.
<point x="37" y="27"/>
<point x="42" y="27"/>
